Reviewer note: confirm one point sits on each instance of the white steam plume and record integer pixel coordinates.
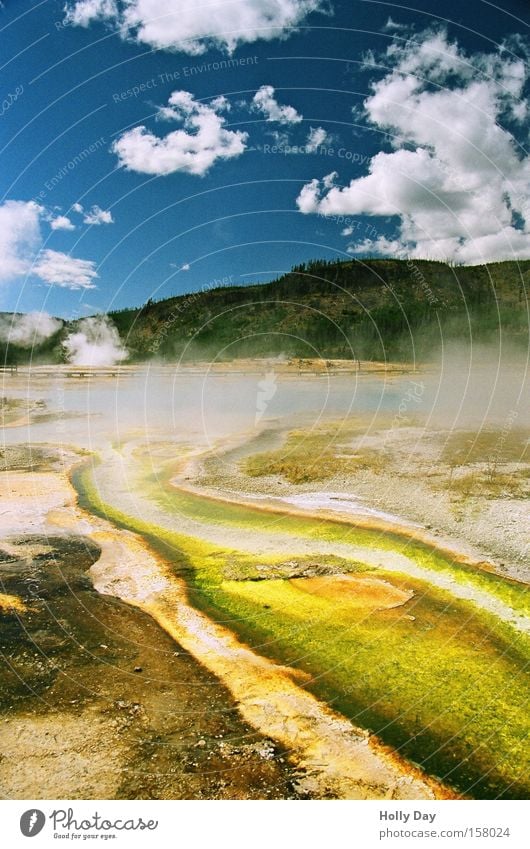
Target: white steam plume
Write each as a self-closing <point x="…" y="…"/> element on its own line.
<point x="28" y="330"/>
<point x="96" y="342"/>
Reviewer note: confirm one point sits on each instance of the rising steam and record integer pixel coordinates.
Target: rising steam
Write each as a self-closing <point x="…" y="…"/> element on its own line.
<point x="29" y="330"/>
<point x="96" y="342"/>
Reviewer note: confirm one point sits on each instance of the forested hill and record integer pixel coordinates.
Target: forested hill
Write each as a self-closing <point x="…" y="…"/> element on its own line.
<point x="369" y="309"/>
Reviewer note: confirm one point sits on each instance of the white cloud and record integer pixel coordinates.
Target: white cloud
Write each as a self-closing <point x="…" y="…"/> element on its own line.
<point x="19" y="237"/>
<point x="347" y="231"/>
<point x="76" y="207"/>
<point x="21" y="241"/>
<point x="186" y="267"/>
<point x="193" y="149"/>
<point x="61" y="222"/>
<point x="85" y="12"/>
<point x="29" y="329"/>
<point x="281" y="139"/>
<point x="192" y="27"/>
<point x="98" y="216"/>
<point x="394" y="26"/>
<point x="316" y="138"/>
<point x="265" y="102"/>
<point x="59" y="269"/>
<point x="456" y="180"/>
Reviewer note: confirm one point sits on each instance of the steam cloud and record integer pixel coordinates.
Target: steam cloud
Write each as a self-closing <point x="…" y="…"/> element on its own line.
<point x="96" y="342"/>
<point x="28" y="330"/>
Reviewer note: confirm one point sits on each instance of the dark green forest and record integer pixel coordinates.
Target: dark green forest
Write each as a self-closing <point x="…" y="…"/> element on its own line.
<point x="367" y="309"/>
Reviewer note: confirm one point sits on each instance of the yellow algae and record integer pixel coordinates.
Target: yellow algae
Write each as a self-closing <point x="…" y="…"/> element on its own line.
<point x="339" y="760"/>
<point x="336" y="758"/>
<point x="408" y="677"/>
<point x="361" y="591"/>
<point x="11" y="604"/>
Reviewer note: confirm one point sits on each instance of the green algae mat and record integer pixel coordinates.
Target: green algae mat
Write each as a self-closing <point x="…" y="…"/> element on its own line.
<point x="441" y="680"/>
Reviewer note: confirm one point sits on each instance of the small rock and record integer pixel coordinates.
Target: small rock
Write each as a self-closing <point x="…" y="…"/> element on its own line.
<point x="138" y="669"/>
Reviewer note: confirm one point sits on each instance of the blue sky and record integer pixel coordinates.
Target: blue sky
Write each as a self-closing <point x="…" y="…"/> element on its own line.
<point x="272" y="133"/>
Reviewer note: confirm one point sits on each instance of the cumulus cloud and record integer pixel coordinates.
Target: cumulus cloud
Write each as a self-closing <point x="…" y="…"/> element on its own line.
<point x="21" y="243"/>
<point x="192" y="149"/>
<point x="76" y="207"/>
<point x="59" y="269"/>
<point x="29" y="329"/>
<point x="456" y="180"/>
<point x="264" y="101"/>
<point x="19" y="237"/>
<point x="85" y="12"/>
<point x="191" y="27"/>
<point x="98" y="216"/>
<point x="61" y="222"/>
<point x="95" y="342"/>
<point x="316" y="138"/>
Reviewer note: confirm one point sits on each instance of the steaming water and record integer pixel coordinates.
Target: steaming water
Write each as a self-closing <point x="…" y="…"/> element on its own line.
<point x="195" y="408"/>
<point x="204" y="408"/>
